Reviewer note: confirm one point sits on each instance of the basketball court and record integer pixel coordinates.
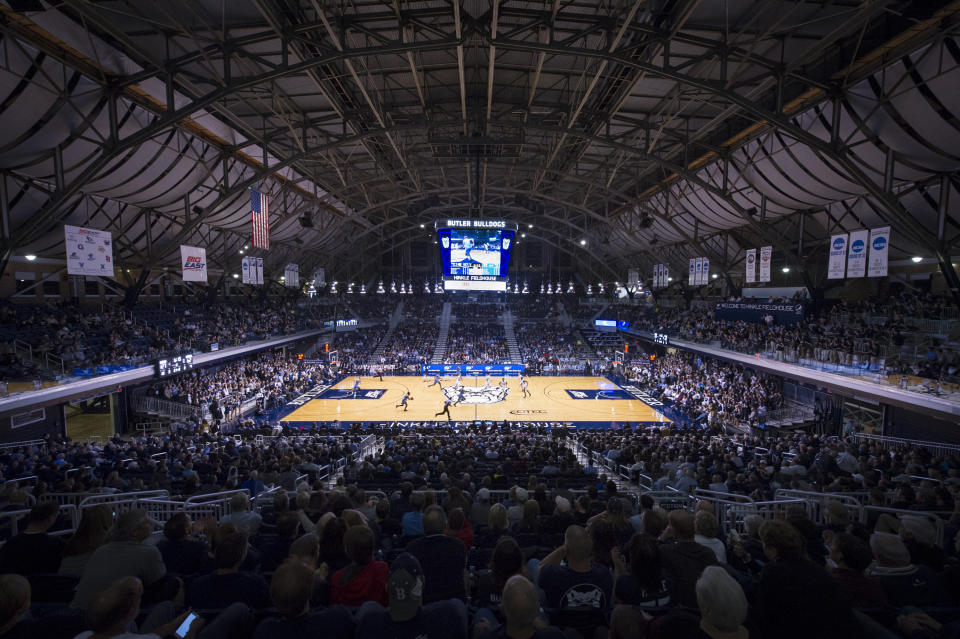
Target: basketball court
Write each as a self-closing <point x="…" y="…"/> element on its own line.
<point x="551" y="399"/>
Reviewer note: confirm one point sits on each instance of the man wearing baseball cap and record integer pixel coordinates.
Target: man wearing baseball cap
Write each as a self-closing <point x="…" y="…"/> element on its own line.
<point x="406" y="616"/>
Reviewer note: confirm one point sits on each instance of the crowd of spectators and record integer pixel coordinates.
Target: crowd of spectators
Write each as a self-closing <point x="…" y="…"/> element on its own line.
<point x="829" y="337"/>
<point x="425" y="307"/>
<point x="478" y="312"/>
<point x="412" y="343"/>
<point x="86" y="337"/>
<point x="271" y="378"/>
<point x="476" y="343"/>
<point x="493" y="531"/>
<point x="544" y="345"/>
<point x="709" y="392"/>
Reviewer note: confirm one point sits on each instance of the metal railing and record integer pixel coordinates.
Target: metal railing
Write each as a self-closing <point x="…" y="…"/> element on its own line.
<point x="937" y="448"/>
<point x="157" y="406"/>
<point x="22" y="443"/>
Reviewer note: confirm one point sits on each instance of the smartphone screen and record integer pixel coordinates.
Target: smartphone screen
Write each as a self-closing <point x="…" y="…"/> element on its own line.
<point x="185" y="626"/>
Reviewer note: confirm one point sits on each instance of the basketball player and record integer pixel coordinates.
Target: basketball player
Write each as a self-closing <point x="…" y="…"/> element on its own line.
<point x="523" y="387"/>
<point x="486" y="384"/>
<point x="460" y="395"/>
<point x="503" y="382"/>
<point x="446" y="409"/>
<point x="459" y="381"/>
<point x="403" y="402"/>
<point x="380" y="372"/>
<point x="436" y="381"/>
<point x="356" y="388"/>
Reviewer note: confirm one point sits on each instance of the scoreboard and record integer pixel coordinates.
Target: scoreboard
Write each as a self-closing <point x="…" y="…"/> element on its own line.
<point x="475" y="254"/>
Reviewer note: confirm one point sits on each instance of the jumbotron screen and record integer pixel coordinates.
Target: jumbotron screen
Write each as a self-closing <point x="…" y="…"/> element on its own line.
<point x="475" y="259"/>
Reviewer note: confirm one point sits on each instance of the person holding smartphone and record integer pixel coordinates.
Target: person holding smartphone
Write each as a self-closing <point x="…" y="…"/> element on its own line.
<point x="112" y="612"/>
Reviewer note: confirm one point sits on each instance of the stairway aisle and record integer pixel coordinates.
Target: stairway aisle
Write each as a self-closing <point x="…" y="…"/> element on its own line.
<point x="441" y="346"/>
<point x="508" y="330"/>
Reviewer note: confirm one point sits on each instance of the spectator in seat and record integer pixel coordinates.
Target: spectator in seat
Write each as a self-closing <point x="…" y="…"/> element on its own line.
<point x="291" y="590"/>
<point x="920" y="537"/>
<point x="903" y="582"/>
<point x="497" y="525"/>
<point x="363" y="579"/>
<point x="246" y="521"/>
<point x="412" y="520"/>
<point x="640" y="583"/>
<point x="791" y="586"/>
<point x="407" y="616"/>
<point x="852" y="556"/>
<point x="125" y="555"/>
<point x="253" y="484"/>
<point x="443" y="559"/>
<point x="506" y="561"/>
<point x="561" y="519"/>
<point x="227" y="584"/>
<point x="579" y="584"/>
<point x="332" y="551"/>
<point x="723" y="606"/>
<point x="684" y="559"/>
<point x="520" y="606"/>
<point x="705" y="526"/>
<point x="90" y="535"/>
<point x="480" y="510"/>
<point x="112" y="613"/>
<point x="459" y="527"/>
<point x="276" y="548"/>
<point x="34" y="551"/>
<point x="388" y="525"/>
<point x="182" y="553"/>
<point x="14" y="603"/>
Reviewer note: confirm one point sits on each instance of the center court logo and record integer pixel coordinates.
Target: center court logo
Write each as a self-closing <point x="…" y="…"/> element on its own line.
<point x="477" y="394"/>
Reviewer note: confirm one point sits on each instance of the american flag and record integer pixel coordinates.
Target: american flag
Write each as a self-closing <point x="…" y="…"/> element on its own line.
<point x="261" y="220"/>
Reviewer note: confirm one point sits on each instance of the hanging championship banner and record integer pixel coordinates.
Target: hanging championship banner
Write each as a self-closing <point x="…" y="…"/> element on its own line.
<point x="879" y="249"/>
<point x="706" y="271"/>
<point x="838" y="257"/>
<point x="657" y="275"/>
<point x="259" y="270"/>
<point x="291" y="275"/>
<point x="193" y="262"/>
<point x="633" y="279"/>
<point x="766" y="255"/>
<point x="751" y="266"/>
<point x="246" y="278"/>
<point x="857" y="255"/>
<point x="89" y="251"/>
<point x="692" y="278"/>
<point x="664" y="275"/>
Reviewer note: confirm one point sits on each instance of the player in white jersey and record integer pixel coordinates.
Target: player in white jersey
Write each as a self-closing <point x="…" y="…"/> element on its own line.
<point x="503" y="382"/>
<point x="459" y="381"/>
<point x="523" y="387"/>
<point x="486" y="384"/>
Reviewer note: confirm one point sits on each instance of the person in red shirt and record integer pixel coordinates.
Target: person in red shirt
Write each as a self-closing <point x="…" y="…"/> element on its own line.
<point x="459" y="526"/>
<point x="363" y="579"/>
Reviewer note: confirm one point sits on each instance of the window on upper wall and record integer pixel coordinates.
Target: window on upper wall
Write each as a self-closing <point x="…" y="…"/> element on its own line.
<point x="51" y="287"/>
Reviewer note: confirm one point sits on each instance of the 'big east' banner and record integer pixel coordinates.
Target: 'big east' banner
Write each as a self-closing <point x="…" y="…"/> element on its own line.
<point x="193" y="261"/>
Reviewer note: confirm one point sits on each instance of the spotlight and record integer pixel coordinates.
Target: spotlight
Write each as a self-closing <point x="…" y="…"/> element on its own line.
<point x="32" y="257"/>
<point x="785" y="269"/>
<point x="915" y="259"/>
